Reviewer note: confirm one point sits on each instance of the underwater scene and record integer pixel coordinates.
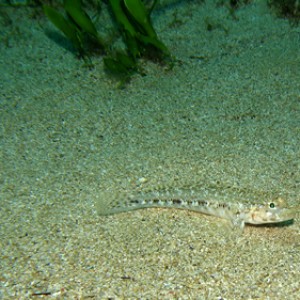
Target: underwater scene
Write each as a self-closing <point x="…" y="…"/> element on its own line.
<point x="150" y="149"/>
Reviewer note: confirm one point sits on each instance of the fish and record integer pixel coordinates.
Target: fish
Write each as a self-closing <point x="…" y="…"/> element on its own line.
<point x="239" y="214"/>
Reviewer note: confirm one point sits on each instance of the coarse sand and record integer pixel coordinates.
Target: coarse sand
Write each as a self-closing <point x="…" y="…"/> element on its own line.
<point x="225" y="121"/>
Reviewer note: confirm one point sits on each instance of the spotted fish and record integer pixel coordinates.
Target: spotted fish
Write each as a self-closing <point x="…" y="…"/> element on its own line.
<point x="239" y="214"/>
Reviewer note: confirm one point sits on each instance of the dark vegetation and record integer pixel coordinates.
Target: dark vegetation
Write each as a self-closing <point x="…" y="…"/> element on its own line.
<point x="287" y="8"/>
<point x="132" y="22"/>
<point x="121" y="31"/>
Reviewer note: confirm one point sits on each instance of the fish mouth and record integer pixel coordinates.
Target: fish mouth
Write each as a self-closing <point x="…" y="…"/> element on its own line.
<point x="276" y="224"/>
<point x="287" y="214"/>
<point x="282" y="215"/>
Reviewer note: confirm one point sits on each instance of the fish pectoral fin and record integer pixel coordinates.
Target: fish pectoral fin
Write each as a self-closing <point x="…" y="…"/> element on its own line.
<point x="238" y="223"/>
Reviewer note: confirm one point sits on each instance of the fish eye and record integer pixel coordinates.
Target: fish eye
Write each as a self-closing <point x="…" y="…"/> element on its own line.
<point x="272" y="205"/>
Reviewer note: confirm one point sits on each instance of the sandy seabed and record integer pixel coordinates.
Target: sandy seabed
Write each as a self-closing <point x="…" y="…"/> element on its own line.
<point x="225" y="121"/>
